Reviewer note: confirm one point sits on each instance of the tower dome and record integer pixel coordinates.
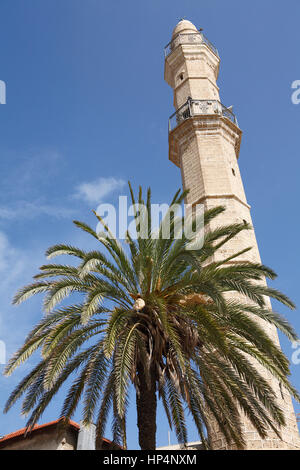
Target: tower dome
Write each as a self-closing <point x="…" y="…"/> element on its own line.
<point x="184" y="26"/>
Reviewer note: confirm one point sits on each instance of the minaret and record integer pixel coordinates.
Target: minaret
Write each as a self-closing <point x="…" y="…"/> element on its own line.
<point x="204" y="142"/>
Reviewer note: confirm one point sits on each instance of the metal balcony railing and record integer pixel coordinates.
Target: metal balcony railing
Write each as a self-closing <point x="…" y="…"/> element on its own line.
<point x="189" y="38"/>
<point x="197" y="107"/>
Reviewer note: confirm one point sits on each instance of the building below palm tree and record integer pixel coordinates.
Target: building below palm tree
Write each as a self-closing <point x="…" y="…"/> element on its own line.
<point x="197" y="445"/>
<point x="54" y="436"/>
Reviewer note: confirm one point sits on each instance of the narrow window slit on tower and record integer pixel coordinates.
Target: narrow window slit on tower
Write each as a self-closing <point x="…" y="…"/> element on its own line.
<point x="233" y="172"/>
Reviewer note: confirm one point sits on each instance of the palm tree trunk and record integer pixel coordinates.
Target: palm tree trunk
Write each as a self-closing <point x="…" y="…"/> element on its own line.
<point x="146" y="403"/>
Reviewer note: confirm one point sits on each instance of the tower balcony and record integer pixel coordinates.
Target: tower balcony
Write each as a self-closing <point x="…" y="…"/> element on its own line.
<point x="201" y="117"/>
<point x="197" y="107"/>
<point x="189" y="38"/>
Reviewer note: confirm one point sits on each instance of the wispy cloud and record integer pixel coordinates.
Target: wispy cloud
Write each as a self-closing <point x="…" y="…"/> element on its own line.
<point x="16" y="268"/>
<point x="30" y="210"/>
<point x="16" y="265"/>
<point x="25" y="188"/>
<point x="96" y="191"/>
<point x="31" y="173"/>
<point x="6" y="252"/>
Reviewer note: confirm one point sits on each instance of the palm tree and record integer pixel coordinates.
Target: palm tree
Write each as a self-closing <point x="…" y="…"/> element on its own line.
<point x="153" y="313"/>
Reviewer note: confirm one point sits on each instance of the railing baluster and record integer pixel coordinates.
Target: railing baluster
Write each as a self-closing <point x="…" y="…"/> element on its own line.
<point x="189" y="38"/>
<point x="205" y="107"/>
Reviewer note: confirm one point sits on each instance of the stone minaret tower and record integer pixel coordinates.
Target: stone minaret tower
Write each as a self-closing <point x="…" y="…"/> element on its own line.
<point x="204" y="142"/>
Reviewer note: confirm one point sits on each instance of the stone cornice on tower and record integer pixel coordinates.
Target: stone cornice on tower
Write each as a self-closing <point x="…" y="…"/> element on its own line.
<point x="210" y="124"/>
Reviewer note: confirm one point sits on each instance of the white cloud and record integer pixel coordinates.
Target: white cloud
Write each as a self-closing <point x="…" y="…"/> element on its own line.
<point x="96" y="191"/>
<point x="16" y="266"/>
<point x="13" y="263"/>
<point x="30" y="210"/>
<point x="32" y="172"/>
<point x="5" y="251"/>
<point x="16" y="269"/>
<point x="24" y="188"/>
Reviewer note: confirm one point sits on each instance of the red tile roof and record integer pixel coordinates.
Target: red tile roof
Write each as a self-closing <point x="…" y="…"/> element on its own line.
<point x="39" y="427"/>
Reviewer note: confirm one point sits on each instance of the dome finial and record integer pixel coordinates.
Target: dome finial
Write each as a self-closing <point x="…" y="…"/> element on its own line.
<point x="184" y="26"/>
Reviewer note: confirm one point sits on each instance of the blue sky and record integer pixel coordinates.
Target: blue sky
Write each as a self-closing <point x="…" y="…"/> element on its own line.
<point x="87" y="105"/>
